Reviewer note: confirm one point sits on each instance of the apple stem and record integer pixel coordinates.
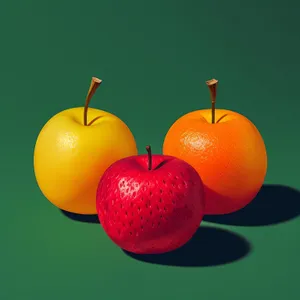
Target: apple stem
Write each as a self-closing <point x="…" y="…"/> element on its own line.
<point x="212" y="85"/>
<point x="93" y="87"/>
<point x="148" y="148"/>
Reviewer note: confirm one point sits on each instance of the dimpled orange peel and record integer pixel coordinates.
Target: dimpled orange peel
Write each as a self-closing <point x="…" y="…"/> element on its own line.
<point x="73" y="150"/>
<point x="226" y="149"/>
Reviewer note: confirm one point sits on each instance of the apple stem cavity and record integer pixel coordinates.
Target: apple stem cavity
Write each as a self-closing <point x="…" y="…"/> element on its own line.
<point x="212" y="85"/>
<point x="95" y="83"/>
<point x="148" y="148"/>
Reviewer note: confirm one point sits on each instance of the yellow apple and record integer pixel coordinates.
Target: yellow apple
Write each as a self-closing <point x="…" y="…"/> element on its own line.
<point x="73" y="150"/>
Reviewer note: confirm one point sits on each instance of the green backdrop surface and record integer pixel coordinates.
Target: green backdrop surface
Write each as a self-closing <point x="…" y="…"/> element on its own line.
<point x="154" y="58"/>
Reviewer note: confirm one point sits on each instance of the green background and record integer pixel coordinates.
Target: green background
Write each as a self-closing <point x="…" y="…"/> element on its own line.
<point x="154" y="58"/>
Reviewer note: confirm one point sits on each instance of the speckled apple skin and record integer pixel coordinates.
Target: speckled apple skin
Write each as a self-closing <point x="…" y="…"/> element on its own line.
<point x="150" y="211"/>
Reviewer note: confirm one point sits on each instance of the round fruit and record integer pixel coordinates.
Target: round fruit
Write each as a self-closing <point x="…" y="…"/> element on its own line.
<point x="71" y="154"/>
<point x="150" y="204"/>
<point x="229" y="154"/>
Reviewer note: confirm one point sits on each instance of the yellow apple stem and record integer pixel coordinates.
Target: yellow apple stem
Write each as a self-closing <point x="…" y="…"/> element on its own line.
<point x="212" y="85"/>
<point x="93" y="87"/>
<point x="148" y="148"/>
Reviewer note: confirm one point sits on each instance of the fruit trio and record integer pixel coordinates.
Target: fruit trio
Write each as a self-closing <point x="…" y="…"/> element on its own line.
<point x="214" y="161"/>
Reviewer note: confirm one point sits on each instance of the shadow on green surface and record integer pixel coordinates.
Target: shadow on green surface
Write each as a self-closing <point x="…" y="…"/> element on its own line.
<point x="209" y="247"/>
<point x="81" y="218"/>
<point x="274" y="204"/>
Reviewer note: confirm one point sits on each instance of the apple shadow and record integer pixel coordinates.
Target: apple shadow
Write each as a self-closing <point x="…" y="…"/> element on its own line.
<point x="273" y="204"/>
<point x="209" y="247"/>
<point x="81" y="218"/>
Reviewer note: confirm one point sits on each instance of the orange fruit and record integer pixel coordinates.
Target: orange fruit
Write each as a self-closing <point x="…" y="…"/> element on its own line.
<point x="229" y="155"/>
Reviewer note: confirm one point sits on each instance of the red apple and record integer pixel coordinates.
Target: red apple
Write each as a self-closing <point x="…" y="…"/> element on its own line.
<point x="149" y="204"/>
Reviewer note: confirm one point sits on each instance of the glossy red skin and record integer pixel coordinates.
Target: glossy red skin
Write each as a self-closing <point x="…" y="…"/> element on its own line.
<point x="148" y="212"/>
